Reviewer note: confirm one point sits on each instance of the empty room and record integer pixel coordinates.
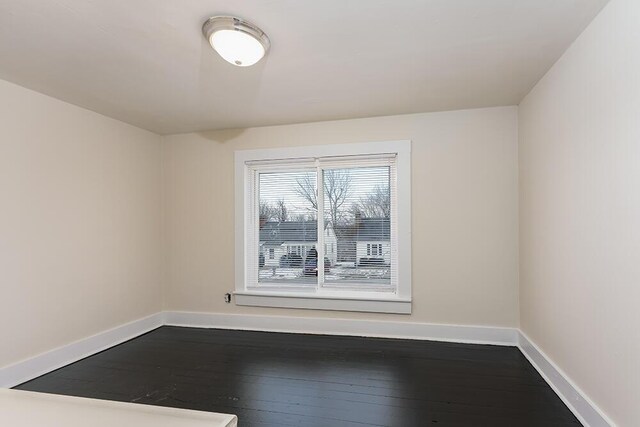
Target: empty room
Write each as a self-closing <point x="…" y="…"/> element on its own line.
<point x="349" y="213"/>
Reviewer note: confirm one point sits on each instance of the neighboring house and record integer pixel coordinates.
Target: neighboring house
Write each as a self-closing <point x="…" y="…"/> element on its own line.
<point x="294" y="237"/>
<point x="364" y="238"/>
<point x="373" y="239"/>
<point x="345" y="234"/>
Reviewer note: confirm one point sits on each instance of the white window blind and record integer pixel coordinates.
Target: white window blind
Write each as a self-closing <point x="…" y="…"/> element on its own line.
<point x="287" y="225"/>
<point x="325" y="222"/>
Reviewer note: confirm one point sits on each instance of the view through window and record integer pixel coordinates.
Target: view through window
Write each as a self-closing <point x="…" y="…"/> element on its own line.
<point x="351" y="247"/>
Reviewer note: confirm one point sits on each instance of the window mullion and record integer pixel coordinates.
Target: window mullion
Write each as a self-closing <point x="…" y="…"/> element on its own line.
<point x="254" y="248"/>
<point x="393" y="231"/>
<point x="320" y="222"/>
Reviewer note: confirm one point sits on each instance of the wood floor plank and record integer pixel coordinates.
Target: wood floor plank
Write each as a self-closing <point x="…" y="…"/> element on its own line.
<point x="277" y="379"/>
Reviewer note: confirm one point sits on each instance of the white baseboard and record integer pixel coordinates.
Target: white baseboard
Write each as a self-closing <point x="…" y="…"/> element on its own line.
<point x="582" y="407"/>
<point x="329" y="326"/>
<point x="29" y="369"/>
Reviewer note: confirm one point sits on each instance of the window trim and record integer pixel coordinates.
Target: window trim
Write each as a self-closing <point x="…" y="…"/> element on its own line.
<point x="325" y="299"/>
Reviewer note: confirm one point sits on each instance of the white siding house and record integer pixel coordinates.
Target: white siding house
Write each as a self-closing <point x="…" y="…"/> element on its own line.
<point x="374" y="249"/>
<point x="373" y="241"/>
<point x="278" y="239"/>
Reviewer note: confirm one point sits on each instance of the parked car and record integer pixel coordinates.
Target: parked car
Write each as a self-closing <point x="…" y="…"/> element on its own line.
<point x="311" y="266"/>
<point x="290" y="260"/>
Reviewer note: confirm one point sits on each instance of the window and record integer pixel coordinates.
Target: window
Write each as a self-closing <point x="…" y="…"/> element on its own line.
<point x="374" y="249"/>
<point x="336" y="220"/>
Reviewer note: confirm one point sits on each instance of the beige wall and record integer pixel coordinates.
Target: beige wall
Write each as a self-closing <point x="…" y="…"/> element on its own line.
<point x="95" y="215"/>
<point x="580" y="212"/>
<point x="465" y="221"/>
<point x="79" y="223"/>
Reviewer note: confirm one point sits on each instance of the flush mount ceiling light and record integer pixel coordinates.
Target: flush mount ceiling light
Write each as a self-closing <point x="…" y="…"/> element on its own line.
<point x="237" y="41"/>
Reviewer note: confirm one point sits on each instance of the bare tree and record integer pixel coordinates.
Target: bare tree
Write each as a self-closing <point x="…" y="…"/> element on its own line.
<point x="337" y="189"/>
<point x="267" y="211"/>
<point x="281" y="212"/>
<point x="376" y="204"/>
<point x="306" y="189"/>
<point x="301" y="217"/>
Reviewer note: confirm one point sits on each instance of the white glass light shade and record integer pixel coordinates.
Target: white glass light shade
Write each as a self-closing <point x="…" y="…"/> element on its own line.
<point x="237" y="47"/>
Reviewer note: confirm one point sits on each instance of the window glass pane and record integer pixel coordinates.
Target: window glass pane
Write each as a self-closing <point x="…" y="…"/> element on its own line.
<point x="288" y="228"/>
<point x="357" y="215"/>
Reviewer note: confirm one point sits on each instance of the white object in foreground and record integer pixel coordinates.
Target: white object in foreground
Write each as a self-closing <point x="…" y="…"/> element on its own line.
<point x="25" y="408"/>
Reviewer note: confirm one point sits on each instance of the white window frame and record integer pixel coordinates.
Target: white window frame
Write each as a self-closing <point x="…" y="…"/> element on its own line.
<point x="324" y="298"/>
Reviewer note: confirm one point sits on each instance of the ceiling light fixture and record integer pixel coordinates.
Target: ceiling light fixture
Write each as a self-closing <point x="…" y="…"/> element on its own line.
<point x="237" y="41"/>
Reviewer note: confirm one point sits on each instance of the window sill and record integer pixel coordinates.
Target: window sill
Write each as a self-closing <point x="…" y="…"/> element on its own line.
<point x="325" y="301"/>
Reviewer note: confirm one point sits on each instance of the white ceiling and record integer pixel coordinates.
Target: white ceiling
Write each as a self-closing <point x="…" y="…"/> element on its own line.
<point x="146" y="62"/>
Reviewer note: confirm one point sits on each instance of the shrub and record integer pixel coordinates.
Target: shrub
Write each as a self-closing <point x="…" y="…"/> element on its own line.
<point x="291" y="260"/>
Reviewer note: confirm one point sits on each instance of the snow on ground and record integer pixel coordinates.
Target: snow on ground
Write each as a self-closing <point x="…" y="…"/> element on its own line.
<point x="280" y="273"/>
<point x="338" y="272"/>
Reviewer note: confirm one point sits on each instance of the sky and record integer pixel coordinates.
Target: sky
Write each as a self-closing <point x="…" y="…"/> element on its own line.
<point x="274" y="186"/>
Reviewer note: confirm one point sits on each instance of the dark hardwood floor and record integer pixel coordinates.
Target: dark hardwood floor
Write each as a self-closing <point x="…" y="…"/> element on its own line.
<point x="275" y="379"/>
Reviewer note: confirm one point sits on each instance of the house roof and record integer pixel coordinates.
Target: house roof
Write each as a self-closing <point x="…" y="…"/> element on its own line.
<point x="372" y="229"/>
<point x="276" y="233"/>
<point x="366" y="229"/>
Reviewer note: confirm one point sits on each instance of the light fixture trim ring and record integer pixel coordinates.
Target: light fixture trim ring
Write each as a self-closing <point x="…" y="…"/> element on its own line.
<point x="224" y="22"/>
